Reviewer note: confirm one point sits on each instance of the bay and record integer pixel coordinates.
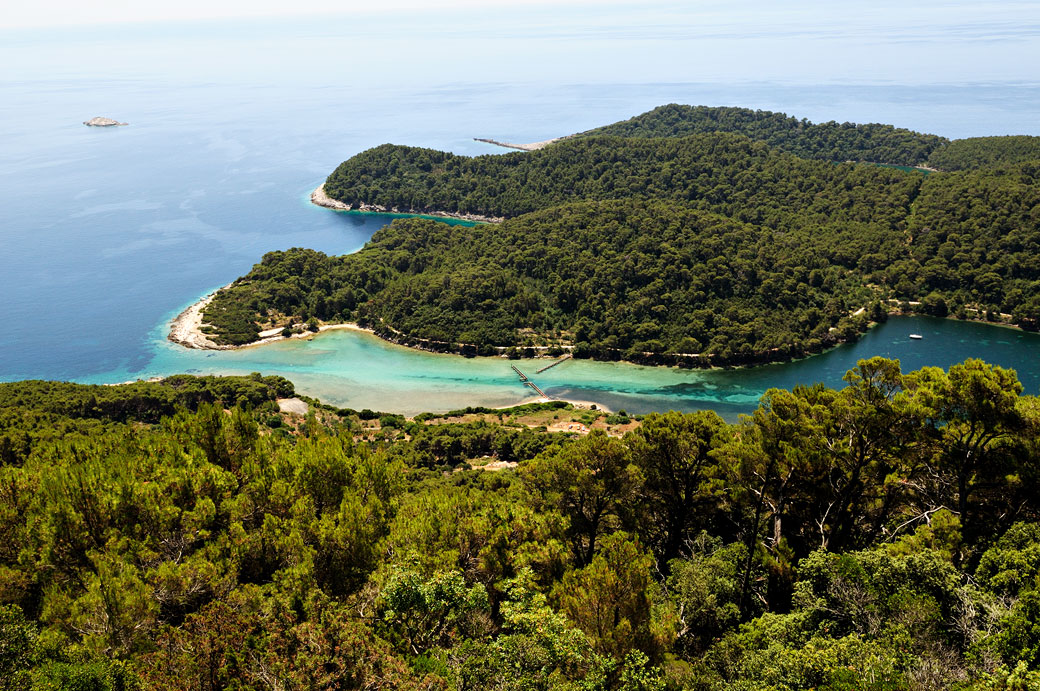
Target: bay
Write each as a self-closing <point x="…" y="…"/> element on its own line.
<point x="108" y="233"/>
<point x="358" y="370"/>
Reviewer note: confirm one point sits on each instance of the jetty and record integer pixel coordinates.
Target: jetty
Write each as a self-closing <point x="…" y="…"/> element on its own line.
<point x="528" y="382"/>
<point x="533" y="146"/>
<point x="553" y="364"/>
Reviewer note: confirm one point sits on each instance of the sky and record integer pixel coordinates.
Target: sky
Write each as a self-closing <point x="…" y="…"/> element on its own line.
<point x="809" y="41"/>
<point x="42" y="13"/>
<point x="50" y="13"/>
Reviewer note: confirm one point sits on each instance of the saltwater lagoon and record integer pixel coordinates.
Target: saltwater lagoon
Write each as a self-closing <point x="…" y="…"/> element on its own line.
<point x="358" y="370"/>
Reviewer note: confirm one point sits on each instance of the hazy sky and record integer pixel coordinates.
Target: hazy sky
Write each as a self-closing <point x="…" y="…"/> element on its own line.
<point x="526" y="41"/>
<point x="40" y="13"/>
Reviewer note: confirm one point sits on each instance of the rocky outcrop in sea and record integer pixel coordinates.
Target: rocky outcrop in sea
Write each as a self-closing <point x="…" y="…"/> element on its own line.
<point x="103" y="122"/>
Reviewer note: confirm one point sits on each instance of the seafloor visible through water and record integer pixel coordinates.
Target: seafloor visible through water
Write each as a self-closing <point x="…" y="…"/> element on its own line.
<point x="108" y="233"/>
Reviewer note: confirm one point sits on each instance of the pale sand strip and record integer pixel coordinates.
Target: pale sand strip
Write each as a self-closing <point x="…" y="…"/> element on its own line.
<point x="578" y="404"/>
<point x="319" y="198"/>
<point x="186" y="330"/>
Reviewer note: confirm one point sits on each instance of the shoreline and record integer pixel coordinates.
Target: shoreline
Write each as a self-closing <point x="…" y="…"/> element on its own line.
<point x="578" y="404"/>
<point x="319" y="198"/>
<point x="186" y="329"/>
<point x="533" y="146"/>
<point x="186" y="332"/>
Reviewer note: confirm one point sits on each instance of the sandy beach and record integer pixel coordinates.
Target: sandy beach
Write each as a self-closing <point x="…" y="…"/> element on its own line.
<point x="186" y="330"/>
<point x="579" y="404"/>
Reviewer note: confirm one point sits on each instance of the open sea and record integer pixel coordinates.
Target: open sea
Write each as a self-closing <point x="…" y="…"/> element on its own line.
<point x="107" y="234"/>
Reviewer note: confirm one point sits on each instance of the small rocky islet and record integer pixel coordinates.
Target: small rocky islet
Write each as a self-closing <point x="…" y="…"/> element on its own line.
<point x="103" y="122"/>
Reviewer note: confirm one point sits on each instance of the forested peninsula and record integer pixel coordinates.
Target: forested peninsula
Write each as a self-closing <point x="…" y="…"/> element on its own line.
<point x="688" y="235"/>
<point x="193" y="534"/>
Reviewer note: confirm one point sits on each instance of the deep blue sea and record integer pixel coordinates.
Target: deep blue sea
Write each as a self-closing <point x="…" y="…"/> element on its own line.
<point x="108" y="233"/>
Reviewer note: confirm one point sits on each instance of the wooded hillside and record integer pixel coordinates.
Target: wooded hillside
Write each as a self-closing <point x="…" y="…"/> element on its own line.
<point x="655" y="244"/>
<point x="881" y="536"/>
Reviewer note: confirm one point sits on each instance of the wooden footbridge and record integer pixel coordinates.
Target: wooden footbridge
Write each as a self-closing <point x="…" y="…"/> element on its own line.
<point x="553" y="364"/>
<point x="528" y="382"/>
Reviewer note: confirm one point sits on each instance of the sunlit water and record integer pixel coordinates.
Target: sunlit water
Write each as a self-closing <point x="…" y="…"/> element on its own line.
<point x="359" y="370"/>
<point x="108" y="233"/>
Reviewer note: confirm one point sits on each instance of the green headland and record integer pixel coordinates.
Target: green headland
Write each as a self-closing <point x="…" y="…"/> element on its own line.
<point x="688" y="235"/>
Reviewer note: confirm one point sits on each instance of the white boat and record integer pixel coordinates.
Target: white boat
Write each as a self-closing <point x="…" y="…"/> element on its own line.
<point x="916" y="336"/>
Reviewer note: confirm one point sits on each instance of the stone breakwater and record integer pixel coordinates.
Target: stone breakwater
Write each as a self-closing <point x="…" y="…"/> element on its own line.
<point x="532" y="146"/>
<point x="319" y="198"/>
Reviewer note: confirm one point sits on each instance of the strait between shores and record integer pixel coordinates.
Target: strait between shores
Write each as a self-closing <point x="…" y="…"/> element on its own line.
<point x="533" y="146"/>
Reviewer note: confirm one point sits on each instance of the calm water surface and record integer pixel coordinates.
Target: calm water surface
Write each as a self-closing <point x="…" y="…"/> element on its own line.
<point x="108" y="233"/>
<point x="358" y="370"/>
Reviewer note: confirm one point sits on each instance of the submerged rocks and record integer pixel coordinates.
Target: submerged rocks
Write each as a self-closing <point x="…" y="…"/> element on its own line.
<point x="103" y="122"/>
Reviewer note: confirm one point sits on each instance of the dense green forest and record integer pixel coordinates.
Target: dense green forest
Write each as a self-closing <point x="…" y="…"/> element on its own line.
<point x="642" y="281"/>
<point x="657" y="248"/>
<point x="725" y="173"/>
<point x="985" y="152"/>
<point x="882" y="536"/>
<point x="828" y="141"/>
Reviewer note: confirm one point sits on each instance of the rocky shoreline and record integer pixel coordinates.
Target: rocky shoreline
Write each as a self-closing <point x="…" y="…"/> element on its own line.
<point x="186" y="330"/>
<point x="319" y="198"/>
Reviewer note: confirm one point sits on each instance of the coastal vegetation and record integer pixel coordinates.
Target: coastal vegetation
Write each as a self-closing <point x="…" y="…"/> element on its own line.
<point x="620" y="279"/>
<point x="725" y="173"/>
<point x="828" y="141"/>
<point x="881" y="536"/>
<point x="689" y="236"/>
<point x="983" y="152"/>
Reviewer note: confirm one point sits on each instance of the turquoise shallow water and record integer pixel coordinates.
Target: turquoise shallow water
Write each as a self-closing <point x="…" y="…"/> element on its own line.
<point x="107" y="234"/>
<point x="358" y="370"/>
